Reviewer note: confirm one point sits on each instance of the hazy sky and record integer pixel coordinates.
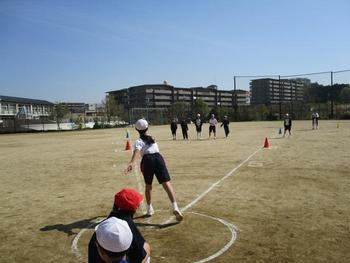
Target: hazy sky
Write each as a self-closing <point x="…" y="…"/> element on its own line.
<point x="77" y="50"/>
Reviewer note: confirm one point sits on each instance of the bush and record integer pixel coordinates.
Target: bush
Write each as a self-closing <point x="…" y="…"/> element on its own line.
<point x="345" y="116"/>
<point x="97" y="125"/>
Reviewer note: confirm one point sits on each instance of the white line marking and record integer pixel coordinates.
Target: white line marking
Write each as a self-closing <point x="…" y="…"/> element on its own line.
<point x="233" y="231"/>
<point x="214" y="185"/>
<point x="231" y="227"/>
<point x="74" y="247"/>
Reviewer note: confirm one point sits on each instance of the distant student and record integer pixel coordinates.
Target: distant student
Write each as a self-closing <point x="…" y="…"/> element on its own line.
<point x="184" y="129"/>
<point x="225" y="123"/>
<point x="173" y="127"/>
<point x="287" y="122"/>
<point x="125" y="205"/>
<point x="316" y="119"/>
<point x="212" y="125"/>
<point x="152" y="164"/>
<point x="198" y="123"/>
<point x="313" y="120"/>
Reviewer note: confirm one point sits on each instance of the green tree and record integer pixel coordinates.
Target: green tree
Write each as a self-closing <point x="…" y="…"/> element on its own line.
<point x="113" y="109"/>
<point x="79" y="121"/>
<point x="179" y="110"/>
<point x="59" y="112"/>
<point x="201" y="107"/>
<point x="345" y="95"/>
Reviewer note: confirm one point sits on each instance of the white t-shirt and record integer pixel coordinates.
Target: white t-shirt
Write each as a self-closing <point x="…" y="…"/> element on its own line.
<point x="145" y="149"/>
<point x="213" y="122"/>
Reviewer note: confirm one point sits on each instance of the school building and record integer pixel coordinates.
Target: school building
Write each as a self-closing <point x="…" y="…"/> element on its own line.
<point x="31" y="108"/>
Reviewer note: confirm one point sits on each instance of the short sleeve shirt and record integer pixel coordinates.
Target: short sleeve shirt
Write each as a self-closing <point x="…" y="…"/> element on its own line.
<point x="145" y="148"/>
<point x="213" y="122"/>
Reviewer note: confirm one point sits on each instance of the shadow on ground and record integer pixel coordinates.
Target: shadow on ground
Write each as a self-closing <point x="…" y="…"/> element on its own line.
<point x="68" y="228"/>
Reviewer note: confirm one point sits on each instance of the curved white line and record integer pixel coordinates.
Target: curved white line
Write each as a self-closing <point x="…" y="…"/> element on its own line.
<point x="74" y="247"/>
<point x="230" y="226"/>
<point x="232" y="229"/>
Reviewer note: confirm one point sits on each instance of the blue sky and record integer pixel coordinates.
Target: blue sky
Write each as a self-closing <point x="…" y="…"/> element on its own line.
<point x="77" y="50"/>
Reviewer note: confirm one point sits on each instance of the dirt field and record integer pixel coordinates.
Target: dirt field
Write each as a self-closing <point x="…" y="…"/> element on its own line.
<point x="288" y="203"/>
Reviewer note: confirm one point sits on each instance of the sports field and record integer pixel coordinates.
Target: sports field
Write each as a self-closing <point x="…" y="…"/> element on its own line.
<point x="242" y="203"/>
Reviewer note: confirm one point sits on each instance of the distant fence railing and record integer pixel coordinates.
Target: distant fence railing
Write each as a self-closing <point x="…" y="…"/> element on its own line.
<point x="327" y="92"/>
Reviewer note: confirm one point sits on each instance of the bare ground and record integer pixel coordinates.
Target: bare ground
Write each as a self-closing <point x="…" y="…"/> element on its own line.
<point x="290" y="203"/>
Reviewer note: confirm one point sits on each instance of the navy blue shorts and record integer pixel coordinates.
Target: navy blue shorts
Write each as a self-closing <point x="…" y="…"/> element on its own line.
<point x="153" y="164"/>
<point x="212" y="129"/>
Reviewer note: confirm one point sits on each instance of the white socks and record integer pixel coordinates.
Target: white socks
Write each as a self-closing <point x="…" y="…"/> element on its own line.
<point x="175" y="207"/>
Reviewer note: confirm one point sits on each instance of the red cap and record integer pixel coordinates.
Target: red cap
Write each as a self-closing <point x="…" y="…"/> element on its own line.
<point x="127" y="199"/>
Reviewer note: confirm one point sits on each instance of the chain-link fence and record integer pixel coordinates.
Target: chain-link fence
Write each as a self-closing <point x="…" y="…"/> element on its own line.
<point x="272" y="96"/>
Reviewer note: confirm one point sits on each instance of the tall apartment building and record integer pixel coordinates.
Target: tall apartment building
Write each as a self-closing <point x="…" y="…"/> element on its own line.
<point x="274" y="91"/>
<point x="164" y="95"/>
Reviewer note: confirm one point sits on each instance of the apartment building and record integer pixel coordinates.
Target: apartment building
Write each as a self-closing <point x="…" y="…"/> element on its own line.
<point x="274" y="91"/>
<point x="164" y="95"/>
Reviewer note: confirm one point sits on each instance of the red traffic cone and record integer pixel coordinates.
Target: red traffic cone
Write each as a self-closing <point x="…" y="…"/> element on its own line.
<point x="127" y="146"/>
<point x="266" y="143"/>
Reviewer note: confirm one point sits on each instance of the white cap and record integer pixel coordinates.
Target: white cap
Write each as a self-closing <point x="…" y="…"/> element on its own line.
<point x="198" y="115"/>
<point x="141" y="125"/>
<point x="114" y="235"/>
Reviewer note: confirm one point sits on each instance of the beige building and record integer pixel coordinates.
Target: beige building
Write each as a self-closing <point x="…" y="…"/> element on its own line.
<point x="164" y="95"/>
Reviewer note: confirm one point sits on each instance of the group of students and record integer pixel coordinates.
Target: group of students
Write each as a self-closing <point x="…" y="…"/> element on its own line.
<point x="117" y="239"/>
<point x="198" y="122"/>
<point x="287" y="122"/>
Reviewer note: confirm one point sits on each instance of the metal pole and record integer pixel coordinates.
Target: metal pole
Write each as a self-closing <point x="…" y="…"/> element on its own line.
<point x="332" y="102"/>
<point x="235" y="97"/>
<point x="291" y="97"/>
<point x="280" y="96"/>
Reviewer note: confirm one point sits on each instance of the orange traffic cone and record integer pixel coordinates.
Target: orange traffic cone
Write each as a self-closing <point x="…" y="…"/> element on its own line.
<point x="127" y="146"/>
<point x="266" y="143"/>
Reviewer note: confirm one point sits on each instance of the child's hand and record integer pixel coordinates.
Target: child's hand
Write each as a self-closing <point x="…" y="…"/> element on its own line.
<point x="129" y="168"/>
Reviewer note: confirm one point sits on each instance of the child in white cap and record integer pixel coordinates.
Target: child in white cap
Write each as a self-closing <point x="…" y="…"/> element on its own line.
<point x="113" y="239"/>
<point x="152" y="164"/>
<point x="287" y="122"/>
<point x="212" y="125"/>
<point x="198" y="123"/>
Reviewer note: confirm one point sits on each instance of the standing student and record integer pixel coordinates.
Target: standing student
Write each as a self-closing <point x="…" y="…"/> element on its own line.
<point x="287" y="122"/>
<point x="152" y="164"/>
<point x="313" y="120"/>
<point x="125" y="205"/>
<point x="212" y="125"/>
<point x="225" y="123"/>
<point x="198" y="123"/>
<point x="113" y="239"/>
<point x="316" y="121"/>
<point x="173" y="127"/>
<point x="184" y="129"/>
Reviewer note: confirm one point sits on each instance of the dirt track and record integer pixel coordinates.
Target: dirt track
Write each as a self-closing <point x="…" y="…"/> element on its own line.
<point x="290" y="203"/>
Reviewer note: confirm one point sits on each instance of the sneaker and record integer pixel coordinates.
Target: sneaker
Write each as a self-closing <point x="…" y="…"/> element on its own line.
<point x="150" y="211"/>
<point x="178" y="215"/>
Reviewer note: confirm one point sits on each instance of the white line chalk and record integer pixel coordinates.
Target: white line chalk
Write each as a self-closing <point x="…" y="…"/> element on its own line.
<point x="214" y="185"/>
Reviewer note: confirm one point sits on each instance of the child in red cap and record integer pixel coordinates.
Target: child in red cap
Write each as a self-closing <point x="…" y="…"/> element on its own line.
<point x="125" y="205"/>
